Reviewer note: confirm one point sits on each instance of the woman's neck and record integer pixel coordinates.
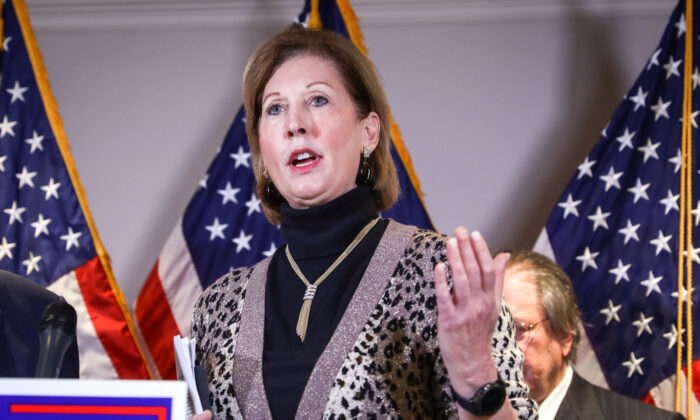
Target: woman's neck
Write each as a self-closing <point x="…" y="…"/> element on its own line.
<point x="329" y="228"/>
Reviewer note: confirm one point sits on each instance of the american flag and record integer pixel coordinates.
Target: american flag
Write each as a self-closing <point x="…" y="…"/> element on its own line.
<point x="615" y="231"/>
<point x="223" y="226"/>
<point x="46" y="231"/>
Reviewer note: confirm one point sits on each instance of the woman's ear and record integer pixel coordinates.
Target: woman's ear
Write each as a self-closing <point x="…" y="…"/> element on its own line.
<point x="371" y="127"/>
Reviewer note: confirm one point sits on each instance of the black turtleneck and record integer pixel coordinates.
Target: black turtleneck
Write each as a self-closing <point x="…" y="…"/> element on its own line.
<point x="316" y="237"/>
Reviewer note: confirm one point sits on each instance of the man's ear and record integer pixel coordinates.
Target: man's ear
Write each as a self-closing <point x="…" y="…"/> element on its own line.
<point x="565" y="344"/>
<point x="371" y="127"/>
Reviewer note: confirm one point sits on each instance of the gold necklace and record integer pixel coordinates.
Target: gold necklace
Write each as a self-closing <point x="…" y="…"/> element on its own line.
<point x="303" y="321"/>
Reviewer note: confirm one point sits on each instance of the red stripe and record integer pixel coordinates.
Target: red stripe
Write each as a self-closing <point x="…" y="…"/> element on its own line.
<point x="160" y="412"/>
<point x="648" y="399"/>
<point x="157" y="323"/>
<point x="109" y="321"/>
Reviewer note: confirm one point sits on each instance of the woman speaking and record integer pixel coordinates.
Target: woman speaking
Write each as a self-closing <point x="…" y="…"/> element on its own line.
<point x="357" y="316"/>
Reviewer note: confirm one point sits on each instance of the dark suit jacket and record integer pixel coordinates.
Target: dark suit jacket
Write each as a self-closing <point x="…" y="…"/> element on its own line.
<point x="584" y="400"/>
<point x="22" y="302"/>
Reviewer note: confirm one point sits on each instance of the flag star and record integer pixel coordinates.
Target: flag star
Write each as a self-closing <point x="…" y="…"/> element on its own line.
<point x="51" y="189"/>
<point x="672" y="336"/>
<point x="680" y="25"/>
<point x="585" y="168"/>
<point x="671" y="203"/>
<point x="625" y="139"/>
<point x="642" y="324"/>
<point x="633" y="365"/>
<point x="676" y="160"/>
<point x="6" y="126"/>
<point x="203" y="181"/>
<point x="17" y="92"/>
<point x="599" y="219"/>
<point x="630" y="231"/>
<point x="15" y="213"/>
<point x="229" y="194"/>
<point x="684" y="293"/>
<point x="696" y="212"/>
<point x="696" y="78"/>
<point x="661" y="242"/>
<point x="695" y="257"/>
<point x="242" y="242"/>
<point x="2" y="163"/>
<point x="612" y="179"/>
<point x="6" y="43"/>
<point x="649" y="150"/>
<point x="32" y="263"/>
<point x="639" y="190"/>
<point x="71" y="238"/>
<point x="253" y="205"/>
<point x="672" y="67"/>
<point x="25" y="178"/>
<point x="654" y="60"/>
<point x="35" y="142"/>
<point x="270" y="251"/>
<point x="41" y="226"/>
<point x="620" y="271"/>
<point x="240" y="157"/>
<point x="640" y="99"/>
<point x="588" y="259"/>
<point x="693" y="118"/>
<point x="6" y="248"/>
<point x="604" y="133"/>
<point x="611" y="312"/>
<point x="216" y="229"/>
<point x="660" y="109"/>
<point x="652" y="283"/>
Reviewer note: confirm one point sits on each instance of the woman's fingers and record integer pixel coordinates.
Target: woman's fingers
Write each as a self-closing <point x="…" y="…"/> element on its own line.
<point x="485" y="263"/>
<point x="500" y="266"/>
<point x="442" y="291"/>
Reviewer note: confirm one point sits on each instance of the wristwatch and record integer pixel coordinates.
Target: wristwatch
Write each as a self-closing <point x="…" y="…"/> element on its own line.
<point x="487" y="400"/>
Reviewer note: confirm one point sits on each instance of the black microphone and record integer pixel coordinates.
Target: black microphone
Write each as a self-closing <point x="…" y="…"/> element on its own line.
<point x="56" y="331"/>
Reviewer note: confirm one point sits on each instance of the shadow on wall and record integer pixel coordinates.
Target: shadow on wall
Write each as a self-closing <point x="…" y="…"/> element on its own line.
<point x="592" y="89"/>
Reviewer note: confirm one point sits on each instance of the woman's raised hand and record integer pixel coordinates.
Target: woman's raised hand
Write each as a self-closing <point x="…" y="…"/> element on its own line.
<point x="467" y="315"/>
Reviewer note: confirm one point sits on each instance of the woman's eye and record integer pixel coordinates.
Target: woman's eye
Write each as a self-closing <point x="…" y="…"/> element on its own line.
<point x="274" y="109"/>
<point x="319" y="100"/>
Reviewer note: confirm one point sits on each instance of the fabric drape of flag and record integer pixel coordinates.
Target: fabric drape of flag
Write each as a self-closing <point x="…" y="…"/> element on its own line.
<point x="46" y="230"/>
<point x="615" y="231"/>
<point x="223" y="226"/>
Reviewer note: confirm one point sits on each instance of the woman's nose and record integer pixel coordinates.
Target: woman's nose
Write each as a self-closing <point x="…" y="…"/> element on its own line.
<point x="298" y="124"/>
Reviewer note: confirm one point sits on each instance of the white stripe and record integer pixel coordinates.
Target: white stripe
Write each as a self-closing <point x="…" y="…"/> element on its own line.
<point x="664" y="395"/>
<point x="94" y="361"/>
<point x="586" y="361"/>
<point x="179" y="279"/>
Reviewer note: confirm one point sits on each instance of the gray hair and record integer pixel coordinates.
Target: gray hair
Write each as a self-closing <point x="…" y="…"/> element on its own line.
<point x="555" y="292"/>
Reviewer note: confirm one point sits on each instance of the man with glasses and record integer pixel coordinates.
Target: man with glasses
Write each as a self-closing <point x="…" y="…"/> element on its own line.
<point x="541" y="298"/>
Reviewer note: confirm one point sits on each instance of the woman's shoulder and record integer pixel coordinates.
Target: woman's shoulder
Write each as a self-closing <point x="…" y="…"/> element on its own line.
<point x="232" y="283"/>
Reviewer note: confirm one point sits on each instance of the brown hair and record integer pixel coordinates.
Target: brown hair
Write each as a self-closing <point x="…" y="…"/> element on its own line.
<point x="555" y="292"/>
<point x="361" y="81"/>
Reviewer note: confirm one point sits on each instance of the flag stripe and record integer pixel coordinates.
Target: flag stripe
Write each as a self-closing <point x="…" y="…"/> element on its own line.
<point x="94" y="361"/>
<point x="664" y="394"/>
<point x="175" y="264"/>
<point x="157" y="324"/>
<point x="107" y="318"/>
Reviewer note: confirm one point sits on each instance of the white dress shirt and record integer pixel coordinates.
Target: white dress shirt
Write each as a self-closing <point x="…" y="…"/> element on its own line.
<point x="550" y="405"/>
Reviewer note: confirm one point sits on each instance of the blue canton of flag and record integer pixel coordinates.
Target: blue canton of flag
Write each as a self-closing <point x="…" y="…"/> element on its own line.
<point x="615" y="228"/>
<point x="44" y="233"/>
<point x="224" y="227"/>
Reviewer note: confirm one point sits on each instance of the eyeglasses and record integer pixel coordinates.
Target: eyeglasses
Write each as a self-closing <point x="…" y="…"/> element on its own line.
<point x="522" y="329"/>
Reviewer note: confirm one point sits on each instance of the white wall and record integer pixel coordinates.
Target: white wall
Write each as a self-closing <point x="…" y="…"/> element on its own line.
<point x="498" y="101"/>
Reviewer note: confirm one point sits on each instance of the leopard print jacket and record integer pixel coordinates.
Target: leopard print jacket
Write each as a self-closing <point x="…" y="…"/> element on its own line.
<point x="383" y="360"/>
